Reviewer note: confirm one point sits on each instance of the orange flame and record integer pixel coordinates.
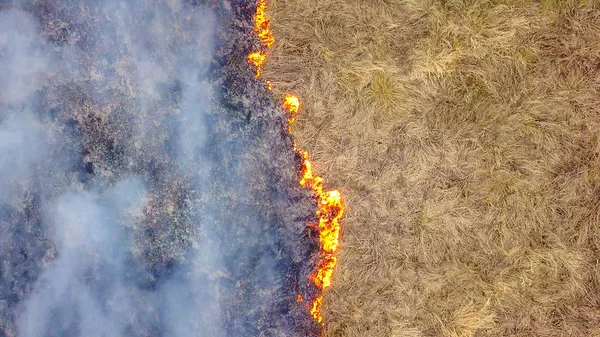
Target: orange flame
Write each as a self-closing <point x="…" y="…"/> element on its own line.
<point x="329" y="212"/>
<point x="262" y="28"/>
<point x="291" y="103"/>
<point x="262" y="25"/>
<point x="315" y="311"/>
<point x="330" y="209"/>
<point x="257" y="60"/>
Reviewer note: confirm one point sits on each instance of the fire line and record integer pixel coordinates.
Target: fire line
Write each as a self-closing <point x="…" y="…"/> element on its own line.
<point x="330" y="208"/>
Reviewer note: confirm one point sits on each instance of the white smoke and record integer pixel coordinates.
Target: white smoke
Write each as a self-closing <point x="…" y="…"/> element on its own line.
<point x="128" y="205"/>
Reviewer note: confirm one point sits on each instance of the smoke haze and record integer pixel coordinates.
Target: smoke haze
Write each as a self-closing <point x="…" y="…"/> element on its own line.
<point x="132" y="202"/>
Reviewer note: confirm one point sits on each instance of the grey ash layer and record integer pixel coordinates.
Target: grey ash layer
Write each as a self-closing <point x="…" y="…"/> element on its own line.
<point x="148" y="186"/>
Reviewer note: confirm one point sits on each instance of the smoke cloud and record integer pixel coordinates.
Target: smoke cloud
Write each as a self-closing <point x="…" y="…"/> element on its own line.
<point x="85" y="291"/>
<point x="133" y="200"/>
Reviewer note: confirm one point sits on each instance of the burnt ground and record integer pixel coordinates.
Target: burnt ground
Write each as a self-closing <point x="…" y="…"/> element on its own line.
<point x="228" y="186"/>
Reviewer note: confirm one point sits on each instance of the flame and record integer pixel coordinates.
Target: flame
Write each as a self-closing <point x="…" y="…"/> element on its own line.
<point x="262" y="25"/>
<point x="315" y="311"/>
<point x="262" y="28"/>
<point x="330" y="211"/>
<point x="330" y="208"/>
<point x="257" y="60"/>
<point x="291" y="103"/>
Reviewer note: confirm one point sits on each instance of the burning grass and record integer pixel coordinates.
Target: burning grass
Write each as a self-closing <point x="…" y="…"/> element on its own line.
<point x="464" y="137"/>
<point x="329" y="203"/>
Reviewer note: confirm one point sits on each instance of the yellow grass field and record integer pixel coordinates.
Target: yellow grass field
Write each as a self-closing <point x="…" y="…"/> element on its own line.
<point x="464" y="137"/>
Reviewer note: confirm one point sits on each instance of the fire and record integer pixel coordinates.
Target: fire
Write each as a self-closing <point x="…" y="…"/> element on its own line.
<point x="257" y="60"/>
<point x="330" y="211"/>
<point x="262" y="25"/>
<point x="330" y="208"/>
<point x="315" y="311"/>
<point x="262" y="28"/>
<point x="292" y="104"/>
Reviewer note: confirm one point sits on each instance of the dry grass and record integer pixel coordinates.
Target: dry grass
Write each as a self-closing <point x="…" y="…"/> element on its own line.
<point x="464" y="138"/>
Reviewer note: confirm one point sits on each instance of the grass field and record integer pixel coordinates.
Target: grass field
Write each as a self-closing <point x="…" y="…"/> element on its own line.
<point x="464" y="136"/>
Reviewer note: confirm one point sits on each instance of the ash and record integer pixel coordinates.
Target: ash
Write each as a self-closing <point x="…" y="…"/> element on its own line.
<point x="148" y="185"/>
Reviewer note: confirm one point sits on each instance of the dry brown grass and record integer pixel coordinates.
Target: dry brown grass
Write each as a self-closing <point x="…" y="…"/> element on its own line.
<point x="464" y="138"/>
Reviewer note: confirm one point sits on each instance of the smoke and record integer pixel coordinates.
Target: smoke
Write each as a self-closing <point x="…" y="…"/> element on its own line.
<point x="23" y="57"/>
<point x="132" y="202"/>
<point x="22" y="67"/>
<point x="85" y="291"/>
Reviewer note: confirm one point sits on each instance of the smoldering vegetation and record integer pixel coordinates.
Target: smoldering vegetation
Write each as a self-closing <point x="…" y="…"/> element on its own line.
<point x="147" y="184"/>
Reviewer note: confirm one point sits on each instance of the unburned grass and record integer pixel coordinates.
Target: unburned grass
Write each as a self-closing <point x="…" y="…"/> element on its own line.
<point x="464" y="138"/>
